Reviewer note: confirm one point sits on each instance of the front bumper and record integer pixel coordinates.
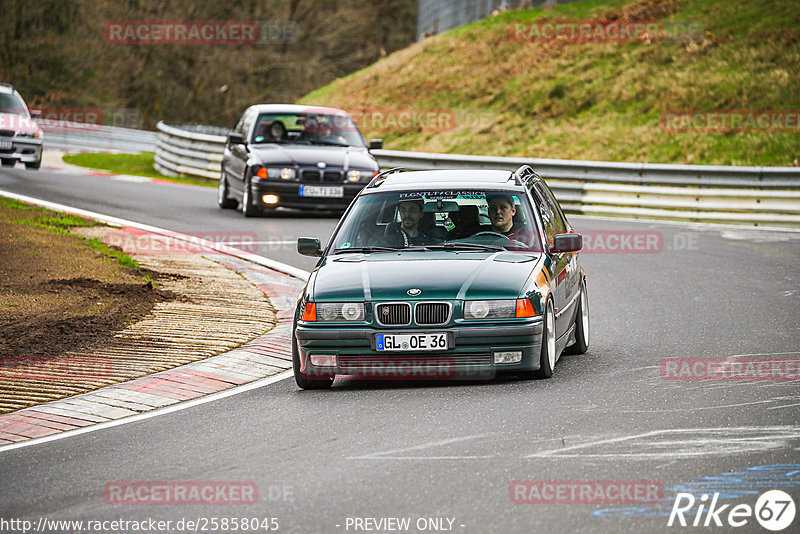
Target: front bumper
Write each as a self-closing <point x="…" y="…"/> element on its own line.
<point x="26" y="151"/>
<point x="288" y="194"/>
<point x="470" y="356"/>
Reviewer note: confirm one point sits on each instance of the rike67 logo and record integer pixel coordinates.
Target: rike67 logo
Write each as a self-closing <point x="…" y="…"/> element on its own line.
<point x="774" y="510"/>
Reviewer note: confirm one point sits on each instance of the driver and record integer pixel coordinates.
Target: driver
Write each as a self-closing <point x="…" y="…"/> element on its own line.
<point x="501" y="214"/>
<point x="277" y="131"/>
<point x="408" y="231"/>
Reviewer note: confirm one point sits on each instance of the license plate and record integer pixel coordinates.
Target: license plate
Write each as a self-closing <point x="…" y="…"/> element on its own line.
<point x="4" y="144"/>
<point x="321" y="191"/>
<point x="411" y="342"/>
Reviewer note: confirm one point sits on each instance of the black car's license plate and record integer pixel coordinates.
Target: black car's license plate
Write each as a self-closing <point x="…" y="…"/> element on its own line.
<point x="321" y="191"/>
<point x="411" y="342"/>
<point x="5" y="145"/>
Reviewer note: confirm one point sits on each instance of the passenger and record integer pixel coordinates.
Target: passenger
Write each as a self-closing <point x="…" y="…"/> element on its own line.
<point x="409" y="231"/>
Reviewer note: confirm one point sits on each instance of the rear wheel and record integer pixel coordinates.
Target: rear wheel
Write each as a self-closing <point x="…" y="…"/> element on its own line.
<point x="581" y="344"/>
<point x="222" y="195"/>
<point x="547" y="355"/>
<point x="302" y="380"/>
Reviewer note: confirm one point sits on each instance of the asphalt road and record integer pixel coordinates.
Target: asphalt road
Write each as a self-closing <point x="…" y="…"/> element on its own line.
<point x="326" y="461"/>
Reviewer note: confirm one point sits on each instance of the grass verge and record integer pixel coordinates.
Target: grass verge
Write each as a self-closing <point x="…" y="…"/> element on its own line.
<point x="132" y="164"/>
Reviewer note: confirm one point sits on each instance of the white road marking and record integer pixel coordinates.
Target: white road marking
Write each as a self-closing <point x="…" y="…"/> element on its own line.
<point x="699" y="442"/>
<point x="386" y="455"/>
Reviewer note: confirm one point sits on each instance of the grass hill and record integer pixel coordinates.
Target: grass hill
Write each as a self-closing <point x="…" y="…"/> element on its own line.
<point x="601" y="100"/>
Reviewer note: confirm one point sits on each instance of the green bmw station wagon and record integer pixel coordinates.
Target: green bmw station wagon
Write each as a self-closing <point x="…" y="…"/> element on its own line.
<point x="451" y="274"/>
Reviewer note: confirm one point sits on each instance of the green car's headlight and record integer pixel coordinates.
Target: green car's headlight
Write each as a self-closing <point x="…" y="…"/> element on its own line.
<point x="340" y="311"/>
<point x="490" y="309"/>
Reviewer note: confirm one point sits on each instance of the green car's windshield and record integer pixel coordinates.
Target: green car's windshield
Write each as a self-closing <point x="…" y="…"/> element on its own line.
<point x="307" y="128"/>
<point x="453" y="219"/>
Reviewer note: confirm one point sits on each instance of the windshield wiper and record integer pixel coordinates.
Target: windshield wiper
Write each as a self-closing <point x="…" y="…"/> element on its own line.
<point x="465" y="246"/>
<point x="366" y="250"/>
<point x="327" y="143"/>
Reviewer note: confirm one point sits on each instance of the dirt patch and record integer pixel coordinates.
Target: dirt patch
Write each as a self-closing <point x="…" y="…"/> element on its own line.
<point x="58" y="293"/>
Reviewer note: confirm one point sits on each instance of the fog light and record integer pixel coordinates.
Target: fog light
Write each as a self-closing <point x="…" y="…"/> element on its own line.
<point x="514" y="356"/>
<point x="323" y="360"/>
<point x="270" y="199"/>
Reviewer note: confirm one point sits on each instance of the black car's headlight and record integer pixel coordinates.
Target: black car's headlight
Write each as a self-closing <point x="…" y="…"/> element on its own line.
<point x="490" y="309"/>
<point x="29" y="135"/>
<point x="340" y="311"/>
<point x="360" y="176"/>
<point x="277" y="173"/>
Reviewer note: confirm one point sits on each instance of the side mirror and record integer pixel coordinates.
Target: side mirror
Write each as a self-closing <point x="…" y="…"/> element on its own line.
<point x="309" y="246"/>
<point x="236" y="139"/>
<point x="36" y="113"/>
<point x="375" y="144"/>
<point x="567" y="243"/>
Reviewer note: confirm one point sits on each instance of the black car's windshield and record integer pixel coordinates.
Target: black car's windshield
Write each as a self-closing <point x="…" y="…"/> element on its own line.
<point x="453" y="219"/>
<point x="9" y="103"/>
<point x="307" y="128"/>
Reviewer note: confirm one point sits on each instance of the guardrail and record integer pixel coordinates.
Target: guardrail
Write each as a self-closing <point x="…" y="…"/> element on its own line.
<point x="701" y="193"/>
<point x="97" y="137"/>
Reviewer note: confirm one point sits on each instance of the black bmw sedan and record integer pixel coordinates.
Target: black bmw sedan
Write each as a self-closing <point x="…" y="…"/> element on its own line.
<point x="303" y="157"/>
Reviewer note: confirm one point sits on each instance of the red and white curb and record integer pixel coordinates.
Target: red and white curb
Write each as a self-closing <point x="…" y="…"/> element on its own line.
<point x="255" y="364"/>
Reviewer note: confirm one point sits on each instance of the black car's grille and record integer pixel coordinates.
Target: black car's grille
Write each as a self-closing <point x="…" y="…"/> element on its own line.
<point x="393" y="314"/>
<point x="317" y="175"/>
<point x="432" y="313"/>
<point x="332" y="176"/>
<point x="385" y="361"/>
<point x="6" y="133"/>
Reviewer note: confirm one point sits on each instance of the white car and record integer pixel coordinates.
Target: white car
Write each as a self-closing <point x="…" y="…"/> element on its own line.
<point x="20" y="135"/>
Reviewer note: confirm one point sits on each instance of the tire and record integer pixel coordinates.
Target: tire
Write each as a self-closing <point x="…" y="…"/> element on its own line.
<point x="8" y="162"/>
<point x="248" y="210"/>
<point x="302" y="381"/>
<point x="581" y="344"/>
<point x="547" y="359"/>
<point x="34" y="166"/>
<point x="222" y="195"/>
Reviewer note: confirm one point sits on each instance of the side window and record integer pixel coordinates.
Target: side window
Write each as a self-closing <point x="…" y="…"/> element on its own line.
<point x="551" y="216"/>
<point x="249" y="119"/>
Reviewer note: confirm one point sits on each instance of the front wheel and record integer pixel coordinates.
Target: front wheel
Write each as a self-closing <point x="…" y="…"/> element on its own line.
<point x="302" y="380"/>
<point x="6" y="162"/>
<point x="581" y="344"/>
<point x="34" y="165"/>
<point x="248" y="210"/>
<point x="547" y="356"/>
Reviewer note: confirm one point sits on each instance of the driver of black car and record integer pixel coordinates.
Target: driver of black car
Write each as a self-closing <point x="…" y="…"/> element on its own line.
<point x="410" y="230"/>
<point x="277" y="131"/>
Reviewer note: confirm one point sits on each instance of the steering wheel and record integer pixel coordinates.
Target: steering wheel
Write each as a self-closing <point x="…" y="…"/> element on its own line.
<point x="515" y="242"/>
<point x="495" y="234"/>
